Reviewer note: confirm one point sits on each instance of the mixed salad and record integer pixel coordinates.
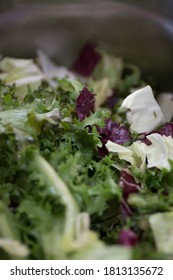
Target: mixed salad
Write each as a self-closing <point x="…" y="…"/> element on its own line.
<point x="86" y="160"/>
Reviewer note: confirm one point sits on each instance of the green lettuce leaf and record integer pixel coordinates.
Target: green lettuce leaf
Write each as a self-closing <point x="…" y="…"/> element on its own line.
<point x="109" y="67"/>
<point x="162" y="227"/>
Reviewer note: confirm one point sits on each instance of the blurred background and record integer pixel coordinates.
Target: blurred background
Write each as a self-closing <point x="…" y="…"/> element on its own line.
<point x="139" y="31"/>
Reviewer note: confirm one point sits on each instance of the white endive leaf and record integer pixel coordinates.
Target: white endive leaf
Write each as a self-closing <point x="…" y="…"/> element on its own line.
<point x="14" y="247"/>
<point x="160" y="151"/>
<point x="134" y="154"/>
<point x="28" y="80"/>
<point x="51" y="70"/>
<point x="124" y="153"/>
<point x="158" y="154"/>
<point x="165" y="101"/>
<point x="139" y="154"/>
<point x="162" y="227"/>
<point x="144" y="113"/>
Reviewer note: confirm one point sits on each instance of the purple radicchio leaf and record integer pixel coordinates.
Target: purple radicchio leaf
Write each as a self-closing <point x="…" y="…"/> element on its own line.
<point x="87" y="60"/>
<point x="146" y="141"/>
<point x="85" y="104"/>
<point x="112" y="100"/>
<point x="125" y="210"/>
<point x="166" y="129"/>
<point x="128" y="184"/>
<point x="127" y="237"/>
<point x="114" y="132"/>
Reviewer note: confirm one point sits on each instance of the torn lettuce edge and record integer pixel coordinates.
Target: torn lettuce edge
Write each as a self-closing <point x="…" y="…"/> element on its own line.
<point x="140" y="155"/>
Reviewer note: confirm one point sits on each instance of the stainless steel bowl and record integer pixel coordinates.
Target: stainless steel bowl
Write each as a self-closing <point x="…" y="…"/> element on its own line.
<point x="142" y="32"/>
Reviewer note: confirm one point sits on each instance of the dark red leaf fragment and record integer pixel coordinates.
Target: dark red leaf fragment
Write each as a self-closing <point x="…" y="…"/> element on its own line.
<point x="87" y="60"/>
<point x="128" y="184"/>
<point x="127" y="237"/>
<point x="114" y="132"/>
<point x="85" y="104"/>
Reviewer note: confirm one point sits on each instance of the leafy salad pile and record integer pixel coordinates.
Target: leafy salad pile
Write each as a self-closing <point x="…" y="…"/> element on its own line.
<point x="85" y="160"/>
